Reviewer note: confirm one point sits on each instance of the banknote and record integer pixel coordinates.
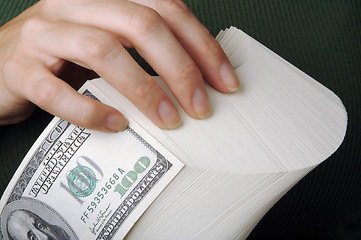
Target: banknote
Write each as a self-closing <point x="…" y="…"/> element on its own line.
<point x="76" y="183"/>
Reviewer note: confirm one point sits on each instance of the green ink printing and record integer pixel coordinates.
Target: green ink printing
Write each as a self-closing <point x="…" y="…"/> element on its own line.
<point x="81" y="181"/>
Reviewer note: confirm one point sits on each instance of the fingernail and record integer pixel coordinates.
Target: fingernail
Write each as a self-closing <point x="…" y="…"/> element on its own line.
<point x="115" y="122"/>
<point x="229" y="77"/>
<point x="201" y="103"/>
<point x="169" y="114"/>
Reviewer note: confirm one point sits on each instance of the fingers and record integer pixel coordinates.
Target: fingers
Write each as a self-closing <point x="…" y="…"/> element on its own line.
<point x="198" y="42"/>
<point x="91" y="33"/>
<point x="26" y="75"/>
<point x="152" y="38"/>
<point x="102" y="52"/>
<point x="56" y="97"/>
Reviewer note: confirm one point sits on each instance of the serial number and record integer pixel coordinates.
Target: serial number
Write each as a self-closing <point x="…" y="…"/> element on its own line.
<point x="99" y="197"/>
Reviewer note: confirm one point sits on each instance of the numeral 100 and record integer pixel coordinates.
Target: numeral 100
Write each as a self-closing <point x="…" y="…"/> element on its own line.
<point x="131" y="177"/>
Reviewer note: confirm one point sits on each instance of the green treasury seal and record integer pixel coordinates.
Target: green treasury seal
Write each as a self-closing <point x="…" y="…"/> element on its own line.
<point x="81" y="181"/>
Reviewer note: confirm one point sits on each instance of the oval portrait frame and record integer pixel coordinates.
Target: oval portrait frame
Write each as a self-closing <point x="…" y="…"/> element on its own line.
<point x="39" y="208"/>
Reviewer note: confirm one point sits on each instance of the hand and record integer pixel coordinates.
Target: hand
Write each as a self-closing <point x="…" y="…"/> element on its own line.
<point x="35" y="46"/>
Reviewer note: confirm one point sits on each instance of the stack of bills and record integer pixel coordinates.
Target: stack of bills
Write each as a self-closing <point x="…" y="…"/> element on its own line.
<point x="209" y="179"/>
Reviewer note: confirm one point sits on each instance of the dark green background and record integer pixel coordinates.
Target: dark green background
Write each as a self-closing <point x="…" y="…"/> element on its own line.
<point x="322" y="38"/>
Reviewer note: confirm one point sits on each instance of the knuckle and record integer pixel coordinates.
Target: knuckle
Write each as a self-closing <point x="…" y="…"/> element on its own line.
<point x="44" y="93"/>
<point x="173" y="7"/>
<point x="89" y="113"/>
<point x="31" y="26"/>
<point x="31" y="31"/>
<point x="145" y="90"/>
<point x="188" y="71"/>
<point x="210" y="47"/>
<point x="145" y="20"/>
<point x="96" y="44"/>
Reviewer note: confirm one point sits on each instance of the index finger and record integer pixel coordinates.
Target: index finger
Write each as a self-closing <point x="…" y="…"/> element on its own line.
<point x="151" y="36"/>
<point x="198" y="42"/>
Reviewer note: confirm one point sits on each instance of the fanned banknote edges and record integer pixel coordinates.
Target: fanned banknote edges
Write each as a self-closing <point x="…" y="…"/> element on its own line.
<point x="238" y="163"/>
<point x="243" y="159"/>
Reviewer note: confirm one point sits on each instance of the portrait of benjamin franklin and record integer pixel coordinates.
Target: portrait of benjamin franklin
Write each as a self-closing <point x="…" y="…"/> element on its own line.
<point x="25" y="225"/>
<point x="31" y="219"/>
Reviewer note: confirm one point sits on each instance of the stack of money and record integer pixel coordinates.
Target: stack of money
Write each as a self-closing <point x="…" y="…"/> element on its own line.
<point x="209" y="179"/>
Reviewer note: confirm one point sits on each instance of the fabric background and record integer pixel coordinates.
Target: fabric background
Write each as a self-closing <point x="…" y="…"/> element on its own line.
<point x="322" y="38"/>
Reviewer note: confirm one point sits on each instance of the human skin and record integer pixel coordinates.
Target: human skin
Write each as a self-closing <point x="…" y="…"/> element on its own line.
<point x="36" y="45"/>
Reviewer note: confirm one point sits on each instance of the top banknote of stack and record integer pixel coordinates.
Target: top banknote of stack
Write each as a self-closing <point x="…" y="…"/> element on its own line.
<point x="208" y="179"/>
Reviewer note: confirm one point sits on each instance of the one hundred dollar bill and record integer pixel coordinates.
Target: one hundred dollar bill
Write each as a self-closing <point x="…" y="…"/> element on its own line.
<point x="76" y="183"/>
